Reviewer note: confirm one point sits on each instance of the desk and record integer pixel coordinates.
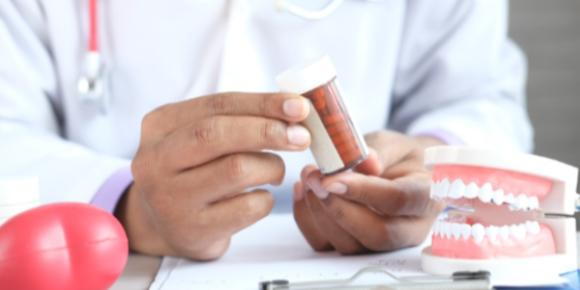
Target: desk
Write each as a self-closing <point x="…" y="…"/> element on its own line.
<point x="139" y="273"/>
<point x="141" y="270"/>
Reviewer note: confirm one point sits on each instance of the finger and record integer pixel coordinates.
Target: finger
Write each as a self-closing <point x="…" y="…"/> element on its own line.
<point x="287" y="107"/>
<point x="217" y="136"/>
<point x="374" y="232"/>
<point x="298" y="191"/>
<point x="391" y="147"/>
<point x="372" y="165"/>
<point x="311" y="177"/>
<point x="229" y="175"/>
<point x="413" y="163"/>
<point x="229" y="216"/>
<point x="313" y="181"/>
<point x="341" y="240"/>
<point x="306" y="171"/>
<point x="404" y="196"/>
<point x="307" y="226"/>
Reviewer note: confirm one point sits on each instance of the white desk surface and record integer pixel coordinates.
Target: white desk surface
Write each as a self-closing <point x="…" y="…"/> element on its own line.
<point x="141" y="270"/>
<point x="139" y="273"/>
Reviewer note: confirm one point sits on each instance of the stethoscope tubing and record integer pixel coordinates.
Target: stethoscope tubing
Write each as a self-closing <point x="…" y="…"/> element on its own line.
<point x="91" y="85"/>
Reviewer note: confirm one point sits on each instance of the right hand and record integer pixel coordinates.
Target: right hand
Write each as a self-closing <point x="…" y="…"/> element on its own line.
<point x="195" y="160"/>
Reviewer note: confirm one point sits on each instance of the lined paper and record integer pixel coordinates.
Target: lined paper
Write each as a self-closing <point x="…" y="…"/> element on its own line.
<point x="275" y="249"/>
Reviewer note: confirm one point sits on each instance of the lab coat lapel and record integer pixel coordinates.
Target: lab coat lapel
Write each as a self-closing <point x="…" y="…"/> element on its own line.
<point x="241" y="69"/>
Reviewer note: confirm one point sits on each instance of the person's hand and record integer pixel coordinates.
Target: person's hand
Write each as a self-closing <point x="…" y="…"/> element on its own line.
<point x="195" y="160"/>
<point x="383" y="206"/>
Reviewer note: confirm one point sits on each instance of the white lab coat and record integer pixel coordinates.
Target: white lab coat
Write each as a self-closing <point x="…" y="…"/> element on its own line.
<point x="414" y="66"/>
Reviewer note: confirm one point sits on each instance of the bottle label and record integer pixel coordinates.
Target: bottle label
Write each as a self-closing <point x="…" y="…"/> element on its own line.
<point x="322" y="147"/>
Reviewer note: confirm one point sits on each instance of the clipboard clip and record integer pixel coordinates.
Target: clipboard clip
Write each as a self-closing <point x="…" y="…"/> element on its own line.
<point x="465" y="280"/>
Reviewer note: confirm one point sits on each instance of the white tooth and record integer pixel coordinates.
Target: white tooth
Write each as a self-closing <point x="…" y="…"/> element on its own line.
<point x="518" y="232"/>
<point x="498" y="197"/>
<point x="478" y="232"/>
<point x="465" y="231"/>
<point x="533" y="227"/>
<point x="440" y="228"/>
<point x="534" y="203"/>
<point x="510" y="198"/>
<point x="522" y="229"/>
<point x="444" y="188"/>
<point x="436" y="186"/>
<point x="441" y="192"/>
<point x="513" y="230"/>
<point x="437" y="228"/>
<point x="472" y="190"/>
<point x="446" y="229"/>
<point x="522" y="202"/>
<point x="456" y="230"/>
<point x="492" y="232"/>
<point x="486" y="192"/>
<point x="504" y="232"/>
<point x="457" y="189"/>
<point x="449" y="230"/>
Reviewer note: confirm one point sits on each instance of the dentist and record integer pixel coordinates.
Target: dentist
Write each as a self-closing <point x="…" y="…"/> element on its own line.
<point x="165" y="113"/>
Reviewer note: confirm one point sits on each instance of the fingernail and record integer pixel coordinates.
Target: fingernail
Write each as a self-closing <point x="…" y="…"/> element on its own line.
<point x="317" y="188"/>
<point x="294" y="107"/>
<point x="337" y="188"/>
<point x="298" y="135"/>
<point x="320" y="193"/>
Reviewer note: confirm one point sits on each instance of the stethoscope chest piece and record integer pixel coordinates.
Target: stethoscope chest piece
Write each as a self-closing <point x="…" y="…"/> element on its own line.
<point x="92" y="84"/>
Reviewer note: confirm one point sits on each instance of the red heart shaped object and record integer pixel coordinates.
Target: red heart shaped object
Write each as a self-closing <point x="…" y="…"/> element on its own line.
<point x="62" y="246"/>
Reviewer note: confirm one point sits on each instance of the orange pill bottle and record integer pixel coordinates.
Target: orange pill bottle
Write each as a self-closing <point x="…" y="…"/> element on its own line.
<point x="336" y="144"/>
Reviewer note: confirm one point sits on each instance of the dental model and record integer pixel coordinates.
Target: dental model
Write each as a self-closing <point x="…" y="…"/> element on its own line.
<point x="501" y="236"/>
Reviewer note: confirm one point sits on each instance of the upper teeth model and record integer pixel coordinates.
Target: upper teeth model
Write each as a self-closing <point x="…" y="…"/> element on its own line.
<point x="501" y="236"/>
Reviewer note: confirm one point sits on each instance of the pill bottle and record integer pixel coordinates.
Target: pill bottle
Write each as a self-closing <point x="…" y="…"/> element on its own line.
<point x="336" y="144"/>
<point x="17" y="194"/>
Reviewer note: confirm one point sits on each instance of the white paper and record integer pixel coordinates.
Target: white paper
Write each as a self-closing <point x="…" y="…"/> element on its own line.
<point x="275" y="249"/>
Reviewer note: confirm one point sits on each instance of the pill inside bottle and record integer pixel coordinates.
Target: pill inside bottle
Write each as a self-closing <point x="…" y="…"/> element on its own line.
<point x="336" y="144"/>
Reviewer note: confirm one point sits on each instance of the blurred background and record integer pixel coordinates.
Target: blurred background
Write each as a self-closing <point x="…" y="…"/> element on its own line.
<point x="549" y="32"/>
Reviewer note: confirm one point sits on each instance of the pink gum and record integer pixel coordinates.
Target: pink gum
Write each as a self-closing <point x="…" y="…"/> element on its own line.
<point x="510" y="181"/>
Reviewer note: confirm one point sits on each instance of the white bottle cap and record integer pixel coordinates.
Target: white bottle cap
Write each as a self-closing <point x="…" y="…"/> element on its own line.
<point x="19" y="190"/>
<point x="302" y="79"/>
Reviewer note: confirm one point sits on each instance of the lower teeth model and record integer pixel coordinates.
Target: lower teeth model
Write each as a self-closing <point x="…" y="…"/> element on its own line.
<point x="501" y="236"/>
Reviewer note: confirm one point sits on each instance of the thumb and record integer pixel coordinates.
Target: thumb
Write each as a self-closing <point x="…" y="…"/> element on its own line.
<point x="370" y="166"/>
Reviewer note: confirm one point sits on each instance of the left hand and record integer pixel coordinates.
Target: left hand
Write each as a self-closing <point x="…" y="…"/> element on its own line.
<point x="382" y="206"/>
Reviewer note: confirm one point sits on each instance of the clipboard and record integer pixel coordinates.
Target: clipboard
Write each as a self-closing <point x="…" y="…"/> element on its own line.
<point x="479" y="280"/>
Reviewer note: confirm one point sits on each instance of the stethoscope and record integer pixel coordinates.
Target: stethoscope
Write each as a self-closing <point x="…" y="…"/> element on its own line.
<point x="92" y="82"/>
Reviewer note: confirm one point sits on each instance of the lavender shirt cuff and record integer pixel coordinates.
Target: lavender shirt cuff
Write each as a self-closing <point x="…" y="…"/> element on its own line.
<point x="444" y="136"/>
<point x="112" y="190"/>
